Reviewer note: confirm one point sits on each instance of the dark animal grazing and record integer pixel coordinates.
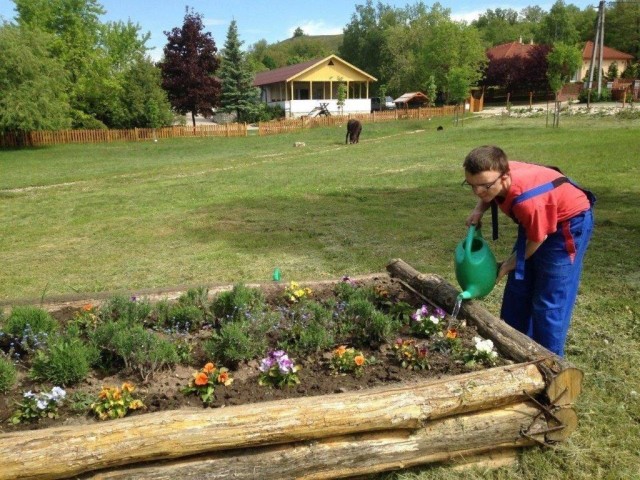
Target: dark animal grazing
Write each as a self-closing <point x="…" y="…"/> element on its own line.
<point x="440" y="127"/>
<point x="354" y="127"/>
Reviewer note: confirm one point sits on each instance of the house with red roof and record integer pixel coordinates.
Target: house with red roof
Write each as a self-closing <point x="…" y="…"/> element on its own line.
<point x="308" y="87"/>
<point x="510" y="50"/>
<point x="609" y="57"/>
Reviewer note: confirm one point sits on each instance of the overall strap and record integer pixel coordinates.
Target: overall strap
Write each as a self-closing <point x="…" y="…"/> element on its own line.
<point x="521" y="242"/>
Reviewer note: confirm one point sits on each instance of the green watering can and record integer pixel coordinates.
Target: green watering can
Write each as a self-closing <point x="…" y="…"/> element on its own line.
<point x="476" y="267"/>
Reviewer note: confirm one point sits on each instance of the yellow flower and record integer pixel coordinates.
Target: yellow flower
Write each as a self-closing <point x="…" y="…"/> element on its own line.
<point x="452" y="333"/>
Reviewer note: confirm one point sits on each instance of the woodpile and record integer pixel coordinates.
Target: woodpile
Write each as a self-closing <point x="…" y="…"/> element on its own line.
<point x="479" y="417"/>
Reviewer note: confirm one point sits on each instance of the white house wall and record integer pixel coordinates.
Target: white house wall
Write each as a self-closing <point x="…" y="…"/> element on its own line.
<point x="299" y="108"/>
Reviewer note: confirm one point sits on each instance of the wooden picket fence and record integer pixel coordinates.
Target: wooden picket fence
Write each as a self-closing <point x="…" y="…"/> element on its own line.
<point x="58" y="137"/>
<point x="292" y="124"/>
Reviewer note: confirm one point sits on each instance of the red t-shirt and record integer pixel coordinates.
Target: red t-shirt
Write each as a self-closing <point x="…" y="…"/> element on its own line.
<point x="540" y="215"/>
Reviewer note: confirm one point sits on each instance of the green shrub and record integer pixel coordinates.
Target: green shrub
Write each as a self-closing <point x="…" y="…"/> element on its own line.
<point x="306" y="328"/>
<point x="131" y="309"/>
<point x="367" y="325"/>
<point x="235" y="304"/>
<point x="238" y="341"/>
<point x="140" y="350"/>
<point x="30" y="327"/>
<point x="185" y="318"/>
<point x="7" y="375"/>
<point x="37" y="319"/>
<point x="65" y="361"/>
<point x="198" y="297"/>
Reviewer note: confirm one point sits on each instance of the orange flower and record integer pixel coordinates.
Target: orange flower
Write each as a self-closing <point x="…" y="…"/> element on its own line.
<point x="359" y="360"/>
<point x="452" y="333"/>
<point x="116" y="394"/>
<point x="103" y="393"/>
<point x="223" y="377"/>
<point x="128" y="387"/>
<point x="209" y="367"/>
<point x="87" y="308"/>
<point x="201" y="379"/>
<point x="340" y="350"/>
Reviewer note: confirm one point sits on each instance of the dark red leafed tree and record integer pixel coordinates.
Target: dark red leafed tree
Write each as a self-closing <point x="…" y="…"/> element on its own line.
<point x="189" y="66"/>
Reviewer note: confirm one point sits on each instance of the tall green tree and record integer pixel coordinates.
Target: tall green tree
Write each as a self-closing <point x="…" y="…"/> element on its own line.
<point x="189" y="67"/>
<point x="364" y="41"/>
<point x="237" y="93"/>
<point x="500" y="26"/>
<point x="558" y="26"/>
<point x="622" y="27"/>
<point x="563" y="60"/>
<point x="33" y="82"/>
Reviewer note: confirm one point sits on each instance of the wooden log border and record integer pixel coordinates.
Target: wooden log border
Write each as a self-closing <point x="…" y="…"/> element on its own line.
<point x="471" y="416"/>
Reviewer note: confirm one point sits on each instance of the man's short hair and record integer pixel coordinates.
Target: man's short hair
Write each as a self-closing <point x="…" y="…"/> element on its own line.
<point x="484" y="158"/>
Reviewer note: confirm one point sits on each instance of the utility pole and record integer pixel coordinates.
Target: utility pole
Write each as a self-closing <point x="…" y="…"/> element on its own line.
<point x="598" y="45"/>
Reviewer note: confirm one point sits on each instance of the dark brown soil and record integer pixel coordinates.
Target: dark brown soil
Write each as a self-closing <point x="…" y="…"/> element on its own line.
<point x="316" y="377"/>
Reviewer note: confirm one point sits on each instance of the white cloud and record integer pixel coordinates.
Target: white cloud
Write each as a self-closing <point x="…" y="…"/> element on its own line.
<point x="468" y="16"/>
<point x="316" y="27"/>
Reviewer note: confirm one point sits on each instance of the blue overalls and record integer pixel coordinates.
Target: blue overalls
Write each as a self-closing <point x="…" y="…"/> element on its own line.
<point x="541" y="292"/>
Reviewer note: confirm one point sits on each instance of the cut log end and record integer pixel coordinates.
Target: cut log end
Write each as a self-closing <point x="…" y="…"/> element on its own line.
<point x="564" y="388"/>
<point x="564" y="417"/>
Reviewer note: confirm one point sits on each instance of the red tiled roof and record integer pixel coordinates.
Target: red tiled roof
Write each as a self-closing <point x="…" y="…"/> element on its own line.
<point x="282" y="74"/>
<point x="607" y="53"/>
<point x="508" y="50"/>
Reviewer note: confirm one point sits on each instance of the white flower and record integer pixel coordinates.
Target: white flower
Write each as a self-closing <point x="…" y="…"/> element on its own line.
<point x="484" y="346"/>
<point x="58" y="393"/>
<point x="435" y="320"/>
<point x="42" y="404"/>
<point x="28" y="394"/>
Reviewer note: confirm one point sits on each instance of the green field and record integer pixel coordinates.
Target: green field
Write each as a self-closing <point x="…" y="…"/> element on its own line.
<point x="131" y="216"/>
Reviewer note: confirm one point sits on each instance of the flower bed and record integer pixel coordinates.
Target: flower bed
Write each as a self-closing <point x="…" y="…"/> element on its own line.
<point x="374" y="345"/>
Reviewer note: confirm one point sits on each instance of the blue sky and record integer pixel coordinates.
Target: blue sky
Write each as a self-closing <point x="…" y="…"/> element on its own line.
<point x="273" y="20"/>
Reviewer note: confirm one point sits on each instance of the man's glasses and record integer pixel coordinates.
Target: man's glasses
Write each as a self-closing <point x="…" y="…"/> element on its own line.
<point x="482" y="186"/>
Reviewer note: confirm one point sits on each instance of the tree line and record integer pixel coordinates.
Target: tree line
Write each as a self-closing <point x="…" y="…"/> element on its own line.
<point x="61" y="66"/>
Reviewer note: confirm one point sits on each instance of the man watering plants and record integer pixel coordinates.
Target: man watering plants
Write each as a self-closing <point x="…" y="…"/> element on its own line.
<point x="555" y="222"/>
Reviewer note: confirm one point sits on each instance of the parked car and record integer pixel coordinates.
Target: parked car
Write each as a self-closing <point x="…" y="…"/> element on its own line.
<point x="379" y="103"/>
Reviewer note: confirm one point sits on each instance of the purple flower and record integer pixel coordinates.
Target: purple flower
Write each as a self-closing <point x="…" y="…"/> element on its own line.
<point x="285" y="365"/>
<point x="277" y="354"/>
<point x="440" y="312"/>
<point x="266" y="364"/>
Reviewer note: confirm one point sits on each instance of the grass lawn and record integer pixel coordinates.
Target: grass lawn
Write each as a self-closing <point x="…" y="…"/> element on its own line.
<point x="130" y="216"/>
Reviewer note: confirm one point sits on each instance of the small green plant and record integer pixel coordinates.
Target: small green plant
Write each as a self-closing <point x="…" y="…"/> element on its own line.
<point x="426" y="322"/>
<point x="348" y="360"/>
<point x="238" y="341"/>
<point x="114" y="402"/>
<point x="410" y="355"/>
<point x="7" y="374"/>
<point x="30" y="326"/>
<point x="140" y="350"/>
<point x="233" y="305"/>
<point x="35" y="406"/>
<point x="64" y="361"/>
<point x="305" y="328"/>
<point x="204" y="382"/>
<point x="483" y="353"/>
<point x="132" y="309"/>
<point x="183" y="318"/>
<point x="80" y="401"/>
<point x="368" y="325"/>
<point x="278" y="370"/>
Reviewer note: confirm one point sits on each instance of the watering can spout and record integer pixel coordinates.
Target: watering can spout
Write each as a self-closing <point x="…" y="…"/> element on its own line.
<point x="466" y="295"/>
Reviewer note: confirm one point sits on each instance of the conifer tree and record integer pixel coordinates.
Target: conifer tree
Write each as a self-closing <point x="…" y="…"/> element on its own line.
<point x="238" y="93"/>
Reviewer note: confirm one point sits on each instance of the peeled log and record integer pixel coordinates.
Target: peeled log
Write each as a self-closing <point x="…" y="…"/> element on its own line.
<point x="65" y="451"/>
<point x="564" y="379"/>
<point x="448" y="439"/>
